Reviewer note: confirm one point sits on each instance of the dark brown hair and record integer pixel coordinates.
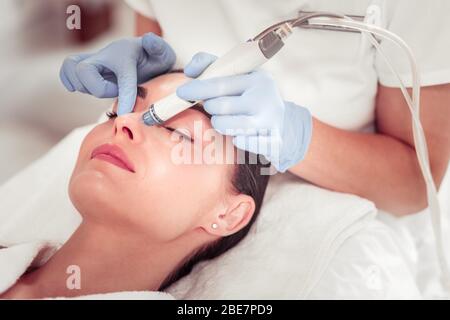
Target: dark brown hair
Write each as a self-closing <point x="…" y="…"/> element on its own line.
<point x="247" y="179"/>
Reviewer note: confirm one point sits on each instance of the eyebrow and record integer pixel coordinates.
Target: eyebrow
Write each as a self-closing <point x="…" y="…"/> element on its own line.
<point x="141" y="92"/>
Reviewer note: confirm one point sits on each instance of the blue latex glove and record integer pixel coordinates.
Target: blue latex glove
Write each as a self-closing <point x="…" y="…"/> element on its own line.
<point x="117" y="69"/>
<point x="250" y="108"/>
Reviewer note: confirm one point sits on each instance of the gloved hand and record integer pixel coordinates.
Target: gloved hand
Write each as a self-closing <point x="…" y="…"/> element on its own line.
<point x="250" y="108"/>
<point x="117" y="69"/>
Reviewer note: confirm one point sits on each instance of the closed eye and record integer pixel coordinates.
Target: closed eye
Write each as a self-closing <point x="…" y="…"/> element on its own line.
<point x="111" y="114"/>
<point x="183" y="133"/>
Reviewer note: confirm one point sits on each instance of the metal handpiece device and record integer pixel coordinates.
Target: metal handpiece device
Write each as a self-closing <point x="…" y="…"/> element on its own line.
<point x="242" y="59"/>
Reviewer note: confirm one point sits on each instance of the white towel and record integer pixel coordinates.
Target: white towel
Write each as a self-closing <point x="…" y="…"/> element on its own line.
<point x="298" y="233"/>
<point x="34" y="204"/>
<point x="300" y="229"/>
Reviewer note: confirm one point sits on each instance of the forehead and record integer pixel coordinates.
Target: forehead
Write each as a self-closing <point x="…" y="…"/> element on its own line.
<point x="164" y="85"/>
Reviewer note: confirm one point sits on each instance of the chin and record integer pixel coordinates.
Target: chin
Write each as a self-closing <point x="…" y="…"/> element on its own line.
<point x="90" y="192"/>
<point x="98" y="198"/>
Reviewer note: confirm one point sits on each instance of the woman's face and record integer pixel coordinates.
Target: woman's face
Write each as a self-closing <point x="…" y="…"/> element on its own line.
<point x="146" y="190"/>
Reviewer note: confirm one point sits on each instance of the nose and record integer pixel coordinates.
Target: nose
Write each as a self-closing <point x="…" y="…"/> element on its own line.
<point x="128" y="127"/>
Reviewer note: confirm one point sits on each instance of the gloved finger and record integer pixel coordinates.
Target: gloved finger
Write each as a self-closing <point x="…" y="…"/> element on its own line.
<point x="160" y="51"/>
<point x="90" y="75"/>
<point x="65" y="81"/>
<point x="235" y="105"/>
<point x="247" y="143"/>
<point x="215" y="87"/>
<point x="264" y="149"/>
<point x="68" y="72"/>
<point x="199" y="62"/>
<point x="127" y="82"/>
<point x="233" y="125"/>
<point x="258" y="144"/>
<point x="153" y="44"/>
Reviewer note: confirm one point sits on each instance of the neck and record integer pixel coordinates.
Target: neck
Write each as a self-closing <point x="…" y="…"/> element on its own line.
<point x="107" y="261"/>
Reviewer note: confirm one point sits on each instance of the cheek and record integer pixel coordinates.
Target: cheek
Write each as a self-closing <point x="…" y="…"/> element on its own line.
<point x="174" y="199"/>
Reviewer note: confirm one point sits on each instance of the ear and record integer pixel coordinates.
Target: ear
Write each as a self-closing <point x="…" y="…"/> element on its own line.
<point x="235" y="215"/>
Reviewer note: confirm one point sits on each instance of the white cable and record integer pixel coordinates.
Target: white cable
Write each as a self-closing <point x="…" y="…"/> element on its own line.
<point x="418" y="133"/>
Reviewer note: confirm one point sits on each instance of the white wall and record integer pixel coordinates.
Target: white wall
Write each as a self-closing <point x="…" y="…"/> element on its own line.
<point x="36" y="111"/>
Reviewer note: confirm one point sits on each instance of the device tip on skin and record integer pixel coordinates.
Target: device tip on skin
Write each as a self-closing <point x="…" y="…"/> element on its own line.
<point x="149" y="117"/>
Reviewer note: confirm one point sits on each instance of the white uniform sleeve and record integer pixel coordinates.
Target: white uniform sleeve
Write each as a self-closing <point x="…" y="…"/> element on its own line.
<point x="141" y="6"/>
<point x="425" y="27"/>
<point x="369" y="265"/>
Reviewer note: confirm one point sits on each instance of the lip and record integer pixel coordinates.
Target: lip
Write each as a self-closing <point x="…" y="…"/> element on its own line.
<point x="113" y="154"/>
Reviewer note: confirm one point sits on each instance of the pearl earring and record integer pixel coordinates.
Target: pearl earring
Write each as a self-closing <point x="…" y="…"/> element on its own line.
<point x="214" y="226"/>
